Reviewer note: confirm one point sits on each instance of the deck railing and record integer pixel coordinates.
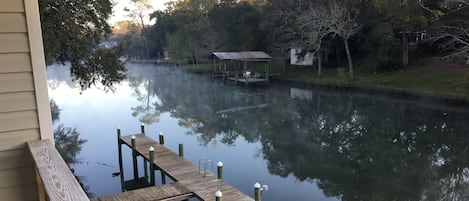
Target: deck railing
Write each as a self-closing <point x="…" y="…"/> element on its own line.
<point x="55" y="180"/>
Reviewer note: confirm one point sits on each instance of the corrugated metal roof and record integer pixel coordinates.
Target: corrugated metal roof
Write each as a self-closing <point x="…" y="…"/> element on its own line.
<point x="242" y="56"/>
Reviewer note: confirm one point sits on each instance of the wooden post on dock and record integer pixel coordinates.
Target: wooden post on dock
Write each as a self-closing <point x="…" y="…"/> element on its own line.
<point x="134" y="157"/>
<point x="220" y="170"/>
<point x="218" y="196"/>
<point x="181" y="150"/>
<point x="161" y="138"/>
<point x="163" y="177"/>
<point x="257" y="191"/>
<point x="152" y="167"/>
<point x="119" y="148"/>
<point x="145" y="167"/>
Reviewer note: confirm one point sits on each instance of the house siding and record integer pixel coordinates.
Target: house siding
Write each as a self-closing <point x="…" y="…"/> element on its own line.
<point x="23" y="94"/>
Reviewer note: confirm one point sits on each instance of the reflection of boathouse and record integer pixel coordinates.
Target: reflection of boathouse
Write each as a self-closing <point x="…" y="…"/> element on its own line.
<point x="241" y="66"/>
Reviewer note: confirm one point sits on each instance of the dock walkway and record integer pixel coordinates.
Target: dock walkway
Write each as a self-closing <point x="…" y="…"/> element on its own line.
<point x="189" y="179"/>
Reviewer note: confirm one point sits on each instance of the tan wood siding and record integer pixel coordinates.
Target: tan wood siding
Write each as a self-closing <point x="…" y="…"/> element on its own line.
<point x="17" y="176"/>
<point x="12" y="6"/>
<point x="16" y="82"/>
<point x="17" y="101"/>
<point x="17" y="139"/>
<point x="19" y="121"/>
<point x="16" y="62"/>
<point x="14" y="42"/>
<point x="15" y="158"/>
<point x="16" y="121"/>
<point x="27" y="192"/>
<point x="12" y="22"/>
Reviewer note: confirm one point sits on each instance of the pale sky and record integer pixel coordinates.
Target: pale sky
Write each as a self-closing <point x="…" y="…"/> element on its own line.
<point x="118" y="10"/>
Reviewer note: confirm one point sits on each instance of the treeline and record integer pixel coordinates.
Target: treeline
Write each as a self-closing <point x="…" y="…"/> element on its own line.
<point x="387" y="33"/>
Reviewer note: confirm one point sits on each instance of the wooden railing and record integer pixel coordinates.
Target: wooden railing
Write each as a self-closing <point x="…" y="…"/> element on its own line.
<point x="55" y="180"/>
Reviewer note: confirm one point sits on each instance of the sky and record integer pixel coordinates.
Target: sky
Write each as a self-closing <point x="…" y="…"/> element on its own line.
<point x="118" y="9"/>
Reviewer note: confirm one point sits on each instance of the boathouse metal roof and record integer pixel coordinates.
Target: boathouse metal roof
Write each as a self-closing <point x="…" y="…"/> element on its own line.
<point x="242" y="56"/>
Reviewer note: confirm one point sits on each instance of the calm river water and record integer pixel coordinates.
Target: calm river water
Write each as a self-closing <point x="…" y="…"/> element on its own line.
<point x="304" y="144"/>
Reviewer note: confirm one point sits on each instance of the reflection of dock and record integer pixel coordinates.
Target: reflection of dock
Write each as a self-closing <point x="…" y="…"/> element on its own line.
<point x="189" y="180"/>
<point x="242" y="108"/>
<point x="248" y="81"/>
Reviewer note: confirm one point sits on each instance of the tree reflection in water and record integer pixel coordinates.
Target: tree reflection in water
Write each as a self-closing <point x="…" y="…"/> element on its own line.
<point x="358" y="148"/>
<point x="67" y="142"/>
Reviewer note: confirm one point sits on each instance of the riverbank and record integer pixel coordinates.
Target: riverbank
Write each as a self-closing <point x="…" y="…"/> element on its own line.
<point x="425" y="78"/>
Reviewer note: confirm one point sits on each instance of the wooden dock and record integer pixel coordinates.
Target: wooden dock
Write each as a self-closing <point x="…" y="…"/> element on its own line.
<point x="190" y="180"/>
<point x="174" y="191"/>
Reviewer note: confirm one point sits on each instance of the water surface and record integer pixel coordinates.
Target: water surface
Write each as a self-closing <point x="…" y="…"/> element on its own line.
<point x="305" y="144"/>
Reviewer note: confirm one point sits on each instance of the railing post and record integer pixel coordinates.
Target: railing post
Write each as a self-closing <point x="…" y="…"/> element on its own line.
<point x="152" y="167"/>
<point x="134" y="157"/>
<point x="257" y="191"/>
<point x="121" y="167"/>
<point x="218" y="196"/>
<point x="181" y="150"/>
<point x="220" y="170"/>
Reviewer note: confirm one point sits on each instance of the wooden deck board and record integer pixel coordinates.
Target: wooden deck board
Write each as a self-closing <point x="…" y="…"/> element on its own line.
<point x="173" y="191"/>
<point x="179" y="169"/>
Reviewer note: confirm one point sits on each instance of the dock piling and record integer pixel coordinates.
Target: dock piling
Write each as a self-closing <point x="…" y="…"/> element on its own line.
<point x="134" y="158"/>
<point x="121" y="167"/>
<point x="152" y="167"/>
<point x="218" y="196"/>
<point x="161" y="138"/>
<point x="181" y="150"/>
<point x="142" y="128"/>
<point x="257" y="191"/>
<point x="220" y="170"/>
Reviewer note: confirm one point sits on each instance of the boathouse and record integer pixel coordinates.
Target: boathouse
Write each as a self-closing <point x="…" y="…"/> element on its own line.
<point x="245" y="67"/>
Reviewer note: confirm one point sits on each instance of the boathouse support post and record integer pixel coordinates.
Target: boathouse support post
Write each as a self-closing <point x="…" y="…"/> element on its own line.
<point x="152" y="166"/>
<point x="121" y="167"/>
<point x="181" y="150"/>
<point x="257" y="191"/>
<point x="218" y="196"/>
<point x="134" y="158"/>
<point x="220" y="170"/>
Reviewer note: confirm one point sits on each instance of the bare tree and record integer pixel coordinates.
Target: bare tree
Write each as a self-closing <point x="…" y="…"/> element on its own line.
<point x="307" y="24"/>
<point x="304" y="25"/>
<point x="314" y="24"/>
<point x="451" y="36"/>
<point x="140" y="9"/>
<point x="345" y="25"/>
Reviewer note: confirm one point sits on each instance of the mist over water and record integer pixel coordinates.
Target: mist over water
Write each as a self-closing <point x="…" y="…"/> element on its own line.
<point x="305" y="144"/>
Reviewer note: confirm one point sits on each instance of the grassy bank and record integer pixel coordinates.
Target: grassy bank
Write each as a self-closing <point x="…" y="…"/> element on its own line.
<point x="424" y="77"/>
<point x="427" y="77"/>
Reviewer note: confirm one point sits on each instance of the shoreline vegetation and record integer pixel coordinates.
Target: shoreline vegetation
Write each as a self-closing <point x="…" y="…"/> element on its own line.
<point x="426" y="77"/>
